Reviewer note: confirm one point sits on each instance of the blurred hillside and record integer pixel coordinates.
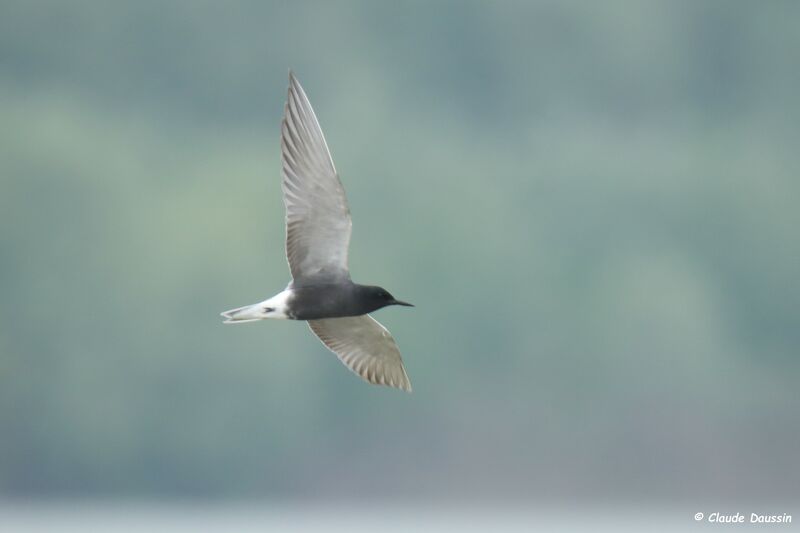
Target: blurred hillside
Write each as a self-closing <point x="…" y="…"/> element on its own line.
<point x="593" y="206"/>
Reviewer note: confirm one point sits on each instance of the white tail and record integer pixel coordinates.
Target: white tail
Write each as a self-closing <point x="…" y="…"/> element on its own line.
<point x="274" y="307"/>
<point x="248" y="313"/>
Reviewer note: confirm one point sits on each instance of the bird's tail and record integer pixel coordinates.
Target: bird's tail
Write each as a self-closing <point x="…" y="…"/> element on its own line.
<point x="248" y="313"/>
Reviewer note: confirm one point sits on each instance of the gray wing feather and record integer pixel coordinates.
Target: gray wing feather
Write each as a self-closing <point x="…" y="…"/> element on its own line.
<point x="365" y="347"/>
<point x="318" y="222"/>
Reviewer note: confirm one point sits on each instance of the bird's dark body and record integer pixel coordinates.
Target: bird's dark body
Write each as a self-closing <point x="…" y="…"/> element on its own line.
<point x="313" y="302"/>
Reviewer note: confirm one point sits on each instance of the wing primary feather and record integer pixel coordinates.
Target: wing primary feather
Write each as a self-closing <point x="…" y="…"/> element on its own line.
<point x="365" y="347"/>
<point x="318" y="225"/>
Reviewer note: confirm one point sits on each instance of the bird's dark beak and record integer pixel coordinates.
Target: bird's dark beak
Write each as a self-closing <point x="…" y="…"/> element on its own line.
<point x="398" y="302"/>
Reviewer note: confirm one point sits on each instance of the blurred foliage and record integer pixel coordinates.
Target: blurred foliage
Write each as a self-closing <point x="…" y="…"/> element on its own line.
<point x="593" y="206"/>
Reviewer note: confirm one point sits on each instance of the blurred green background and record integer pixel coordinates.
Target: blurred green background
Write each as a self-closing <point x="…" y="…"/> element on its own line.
<point x="594" y="207"/>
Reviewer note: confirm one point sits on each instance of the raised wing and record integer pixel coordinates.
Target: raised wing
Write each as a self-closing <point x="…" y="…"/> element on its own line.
<point x="318" y="222"/>
<point x="365" y="347"/>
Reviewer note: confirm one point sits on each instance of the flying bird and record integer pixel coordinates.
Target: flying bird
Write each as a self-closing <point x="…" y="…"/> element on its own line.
<point x="318" y="228"/>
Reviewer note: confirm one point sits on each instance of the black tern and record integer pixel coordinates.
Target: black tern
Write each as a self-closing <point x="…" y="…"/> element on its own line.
<point x="318" y="228"/>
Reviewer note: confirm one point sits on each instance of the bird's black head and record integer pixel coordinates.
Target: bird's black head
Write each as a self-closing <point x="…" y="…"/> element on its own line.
<point x="380" y="297"/>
